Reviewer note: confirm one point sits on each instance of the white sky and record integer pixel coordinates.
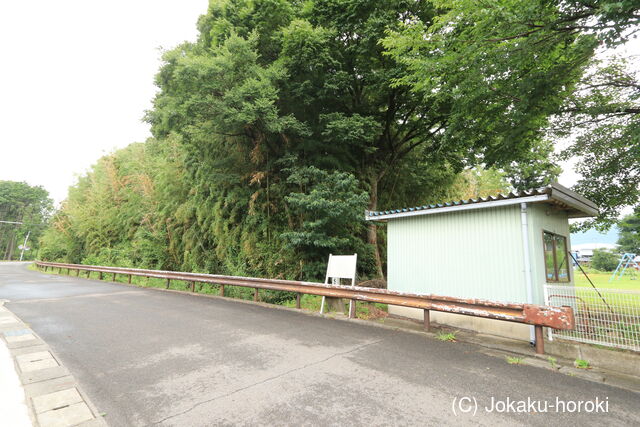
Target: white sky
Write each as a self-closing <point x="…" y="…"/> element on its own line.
<point x="76" y="77"/>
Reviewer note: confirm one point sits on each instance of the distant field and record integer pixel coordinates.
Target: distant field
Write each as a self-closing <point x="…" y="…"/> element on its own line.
<point x="601" y="280"/>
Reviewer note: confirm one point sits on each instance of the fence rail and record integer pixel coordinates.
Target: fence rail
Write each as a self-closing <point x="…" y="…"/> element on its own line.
<point x="537" y="315"/>
<point x="609" y="317"/>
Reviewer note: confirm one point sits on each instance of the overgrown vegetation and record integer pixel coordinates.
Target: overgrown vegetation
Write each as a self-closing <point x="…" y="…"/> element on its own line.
<point x="582" y="364"/>
<point x="285" y="120"/>
<point x="31" y="207"/>
<point x="630" y="233"/>
<point x="604" y="260"/>
<point x="446" y="336"/>
<point x="512" y="360"/>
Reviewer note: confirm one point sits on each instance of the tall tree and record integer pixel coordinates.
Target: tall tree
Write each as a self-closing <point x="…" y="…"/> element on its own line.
<point x="271" y="126"/>
<point x="274" y="79"/>
<point x="603" y="118"/>
<point x="28" y="205"/>
<point x="629" y="240"/>
<point x="514" y="64"/>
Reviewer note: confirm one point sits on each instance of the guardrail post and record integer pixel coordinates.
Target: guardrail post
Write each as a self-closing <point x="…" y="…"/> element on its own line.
<point x="221" y="290"/>
<point x="88" y="273"/>
<point x="352" y="309"/>
<point x="255" y="295"/>
<point x="298" y="300"/>
<point x="539" y="340"/>
<point x="193" y="286"/>
<point x="427" y="320"/>
<point x="168" y="283"/>
<point x="78" y="273"/>
<point x="45" y="268"/>
<point x="129" y="279"/>
<point x="100" y="276"/>
<point x="114" y="277"/>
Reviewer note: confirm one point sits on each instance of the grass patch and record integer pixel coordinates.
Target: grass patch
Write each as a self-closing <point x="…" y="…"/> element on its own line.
<point x="601" y="280"/>
<point x="307" y="302"/>
<point x="368" y="311"/>
<point x="363" y="310"/>
<point x="514" y="360"/>
<point x="581" y="364"/>
<point x="553" y="362"/>
<point x="446" y="336"/>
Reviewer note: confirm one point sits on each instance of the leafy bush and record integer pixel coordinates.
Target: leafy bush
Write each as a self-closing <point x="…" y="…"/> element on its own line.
<point x="330" y="208"/>
<point x="604" y="260"/>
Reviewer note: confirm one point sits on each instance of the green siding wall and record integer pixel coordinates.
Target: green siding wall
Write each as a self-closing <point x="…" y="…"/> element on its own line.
<point x="469" y="254"/>
<point x="472" y="254"/>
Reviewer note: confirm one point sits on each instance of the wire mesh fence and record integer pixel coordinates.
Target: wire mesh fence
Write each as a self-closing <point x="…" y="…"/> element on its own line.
<point x="608" y="317"/>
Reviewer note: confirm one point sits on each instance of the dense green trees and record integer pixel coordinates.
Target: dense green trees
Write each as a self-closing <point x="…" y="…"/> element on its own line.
<point x="311" y="83"/>
<point x="128" y="210"/>
<point x="523" y="73"/>
<point x="604" y="117"/>
<point x="629" y="240"/>
<point x="285" y="120"/>
<point x="604" y="260"/>
<point x="29" y="205"/>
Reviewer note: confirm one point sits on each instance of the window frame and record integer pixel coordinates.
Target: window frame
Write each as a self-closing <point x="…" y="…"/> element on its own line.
<point x="556" y="277"/>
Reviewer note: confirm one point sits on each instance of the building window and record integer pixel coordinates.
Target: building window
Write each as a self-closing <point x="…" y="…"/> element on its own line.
<point x="555" y="257"/>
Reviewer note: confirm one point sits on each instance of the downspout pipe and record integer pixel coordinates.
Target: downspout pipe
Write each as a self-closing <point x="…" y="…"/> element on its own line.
<point x="527" y="262"/>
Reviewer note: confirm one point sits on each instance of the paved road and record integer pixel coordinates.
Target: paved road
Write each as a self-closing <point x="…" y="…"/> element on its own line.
<point x="147" y="357"/>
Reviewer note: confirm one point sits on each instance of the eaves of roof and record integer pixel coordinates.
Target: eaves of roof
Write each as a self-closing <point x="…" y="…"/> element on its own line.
<point x="556" y="194"/>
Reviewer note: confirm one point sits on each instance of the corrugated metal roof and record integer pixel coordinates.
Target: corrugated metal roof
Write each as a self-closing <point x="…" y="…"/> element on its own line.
<point x="556" y="193"/>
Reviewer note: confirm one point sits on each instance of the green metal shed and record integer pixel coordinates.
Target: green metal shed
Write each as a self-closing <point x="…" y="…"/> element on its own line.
<point x="501" y="248"/>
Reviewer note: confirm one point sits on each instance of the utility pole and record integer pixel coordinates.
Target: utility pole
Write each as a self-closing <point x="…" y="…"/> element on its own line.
<point x="24" y="245"/>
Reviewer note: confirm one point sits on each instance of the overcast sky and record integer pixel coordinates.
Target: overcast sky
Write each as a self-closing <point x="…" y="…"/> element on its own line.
<point x="76" y="78"/>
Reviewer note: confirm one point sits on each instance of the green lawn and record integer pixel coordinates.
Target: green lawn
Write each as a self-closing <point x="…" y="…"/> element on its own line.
<point x="601" y="280"/>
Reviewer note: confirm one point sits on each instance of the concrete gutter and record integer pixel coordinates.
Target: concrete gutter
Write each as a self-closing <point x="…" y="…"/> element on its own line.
<point x="51" y="394"/>
<point x="615" y="368"/>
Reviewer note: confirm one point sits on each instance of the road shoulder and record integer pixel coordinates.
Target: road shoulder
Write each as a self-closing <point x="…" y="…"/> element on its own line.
<point x="52" y="395"/>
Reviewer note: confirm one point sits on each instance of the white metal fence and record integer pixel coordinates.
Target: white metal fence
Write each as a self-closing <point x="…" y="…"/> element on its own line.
<point x="609" y="317"/>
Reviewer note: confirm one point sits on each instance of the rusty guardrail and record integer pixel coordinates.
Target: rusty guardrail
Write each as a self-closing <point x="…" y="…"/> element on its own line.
<point x="536" y="315"/>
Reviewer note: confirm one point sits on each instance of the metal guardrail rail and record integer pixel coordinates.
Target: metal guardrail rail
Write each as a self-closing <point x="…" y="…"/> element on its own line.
<point x="536" y="315"/>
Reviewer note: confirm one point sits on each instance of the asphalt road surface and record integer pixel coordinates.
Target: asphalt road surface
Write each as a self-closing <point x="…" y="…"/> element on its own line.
<point x="146" y="357"/>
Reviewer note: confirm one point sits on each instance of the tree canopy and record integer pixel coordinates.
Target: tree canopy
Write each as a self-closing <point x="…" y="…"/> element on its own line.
<point x="25" y="204"/>
<point x="525" y="75"/>
<point x="285" y="120"/>
<point x="629" y="240"/>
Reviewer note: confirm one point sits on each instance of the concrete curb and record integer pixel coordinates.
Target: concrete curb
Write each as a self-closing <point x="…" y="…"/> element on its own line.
<point x="52" y="394"/>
